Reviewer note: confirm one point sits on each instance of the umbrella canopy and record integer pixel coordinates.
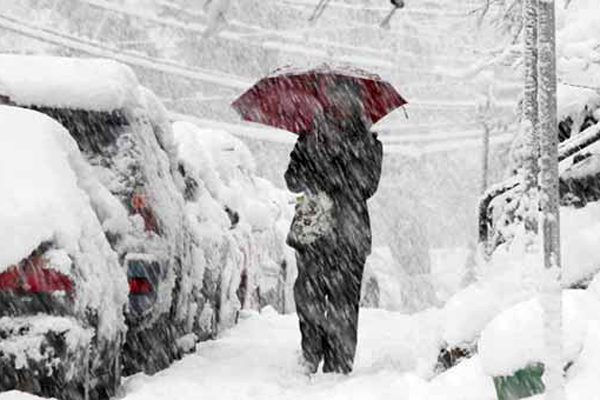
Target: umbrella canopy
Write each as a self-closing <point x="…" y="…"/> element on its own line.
<point x="289" y="98"/>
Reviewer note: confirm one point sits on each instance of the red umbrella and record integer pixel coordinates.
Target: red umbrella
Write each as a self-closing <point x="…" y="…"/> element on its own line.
<point x="289" y="98"/>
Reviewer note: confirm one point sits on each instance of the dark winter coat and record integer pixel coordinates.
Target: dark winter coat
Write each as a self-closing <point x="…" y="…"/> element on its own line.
<point x="348" y="169"/>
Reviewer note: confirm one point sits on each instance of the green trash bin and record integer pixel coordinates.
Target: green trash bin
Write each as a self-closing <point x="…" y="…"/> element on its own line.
<point x="524" y="383"/>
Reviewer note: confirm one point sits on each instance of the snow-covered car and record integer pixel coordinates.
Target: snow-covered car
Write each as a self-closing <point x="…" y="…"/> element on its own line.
<point x="198" y="235"/>
<point x="122" y="131"/>
<point x="239" y="222"/>
<point x="62" y="290"/>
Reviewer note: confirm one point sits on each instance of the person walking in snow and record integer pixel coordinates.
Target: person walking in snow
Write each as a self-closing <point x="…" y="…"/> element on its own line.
<point x="336" y="166"/>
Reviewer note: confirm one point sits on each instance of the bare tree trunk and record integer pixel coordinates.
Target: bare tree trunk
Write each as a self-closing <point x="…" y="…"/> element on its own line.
<point x="550" y="221"/>
<point x="530" y="119"/>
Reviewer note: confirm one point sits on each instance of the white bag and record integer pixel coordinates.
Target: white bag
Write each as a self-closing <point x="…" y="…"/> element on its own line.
<point x="313" y="219"/>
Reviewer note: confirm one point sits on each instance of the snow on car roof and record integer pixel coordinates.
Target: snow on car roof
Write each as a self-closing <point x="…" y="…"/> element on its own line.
<point x="40" y="198"/>
<point x="61" y="82"/>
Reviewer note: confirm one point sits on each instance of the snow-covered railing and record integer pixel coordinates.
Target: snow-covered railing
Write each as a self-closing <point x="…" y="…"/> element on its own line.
<point x="579" y="142"/>
<point x="565" y="150"/>
<point x="484" y="204"/>
<point x="452" y="104"/>
<point x="412" y="145"/>
<point x="437" y="136"/>
<point x="247" y="129"/>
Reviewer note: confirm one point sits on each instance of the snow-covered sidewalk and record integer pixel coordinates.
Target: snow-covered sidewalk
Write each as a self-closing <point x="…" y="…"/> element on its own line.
<point x="258" y="360"/>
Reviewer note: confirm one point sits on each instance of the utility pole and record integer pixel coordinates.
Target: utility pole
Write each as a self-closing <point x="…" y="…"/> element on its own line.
<point x="530" y="115"/>
<point x="550" y="220"/>
<point x="486" y="113"/>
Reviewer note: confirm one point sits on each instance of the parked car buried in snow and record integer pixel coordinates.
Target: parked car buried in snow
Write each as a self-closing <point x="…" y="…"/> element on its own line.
<point x="123" y="133"/>
<point x="241" y="221"/>
<point x="153" y="212"/>
<point x="62" y="290"/>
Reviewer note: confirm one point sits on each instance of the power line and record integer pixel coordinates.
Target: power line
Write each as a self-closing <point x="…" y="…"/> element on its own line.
<point x="100" y="50"/>
<point x="292" y="48"/>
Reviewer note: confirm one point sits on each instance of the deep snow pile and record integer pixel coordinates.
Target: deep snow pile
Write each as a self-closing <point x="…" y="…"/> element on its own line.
<point x="46" y="188"/>
<point x="66" y="82"/>
<point x="515" y="339"/>
<point x="239" y="222"/>
<point x="522" y="327"/>
<point x="511" y="276"/>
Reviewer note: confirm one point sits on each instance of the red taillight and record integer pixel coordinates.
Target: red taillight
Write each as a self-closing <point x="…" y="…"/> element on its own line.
<point x="34" y="279"/>
<point x="140" y="286"/>
<point x="41" y="280"/>
<point x="9" y="279"/>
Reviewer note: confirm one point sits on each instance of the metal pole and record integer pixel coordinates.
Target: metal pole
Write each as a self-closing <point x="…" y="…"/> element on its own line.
<point x="550" y="218"/>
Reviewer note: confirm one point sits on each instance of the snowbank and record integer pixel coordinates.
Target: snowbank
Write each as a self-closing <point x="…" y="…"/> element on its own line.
<point x="582" y="378"/>
<point x="45" y="186"/>
<point x="258" y="359"/>
<point x="466" y="381"/>
<point x="510" y="276"/>
<point x="507" y="280"/>
<point x="515" y="338"/>
<point x="580" y="242"/>
<point x="65" y="82"/>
